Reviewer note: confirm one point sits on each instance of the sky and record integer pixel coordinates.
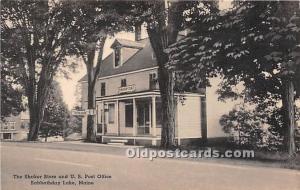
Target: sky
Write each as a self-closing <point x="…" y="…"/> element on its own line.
<point x="68" y="86"/>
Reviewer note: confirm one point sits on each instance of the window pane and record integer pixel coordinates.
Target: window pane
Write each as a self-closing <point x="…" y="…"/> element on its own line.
<point x="147" y="118"/>
<point x="140" y="115"/>
<point x="12" y="125"/>
<point x="99" y="128"/>
<point x="6" y="136"/>
<point x="111" y="113"/>
<point x="123" y="83"/>
<point x="103" y="89"/>
<point x="117" y="57"/>
<point x="158" y="114"/>
<point x="129" y="115"/>
<point x="152" y="81"/>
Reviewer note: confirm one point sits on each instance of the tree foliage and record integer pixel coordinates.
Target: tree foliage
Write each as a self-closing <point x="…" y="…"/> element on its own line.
<point x="35" y="39"/>
<point x="93" y="22"/>
<point x="255" y="44"/>
<point x="164" y="20"/>
<point x="74" y="124"/>
<point x="11" y="93"/>
<point x="56" y="113"/>
<point x="246" y="44"/>
<point x="245" y="126"/>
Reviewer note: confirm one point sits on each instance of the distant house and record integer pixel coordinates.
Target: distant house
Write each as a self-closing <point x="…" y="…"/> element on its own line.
<point x="128" y="103"/>
<point x="15" y="128"/>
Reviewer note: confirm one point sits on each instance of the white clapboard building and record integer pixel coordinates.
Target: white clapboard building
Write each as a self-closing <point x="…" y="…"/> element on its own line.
<point x="128" y="103"/>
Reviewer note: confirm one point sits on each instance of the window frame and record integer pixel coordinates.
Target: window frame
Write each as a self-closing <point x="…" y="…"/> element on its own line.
<point x="122" y="82"/>
<point x="5" y="126"/>
<point x="102" y="89"/>
<point x="158" y="116"/>
<point x="111" y="118"/>
<point x="152" y="81"/>
<point x="126" y="118"/>
<point x="119" y="51"/>
<point x="12" y="125"/>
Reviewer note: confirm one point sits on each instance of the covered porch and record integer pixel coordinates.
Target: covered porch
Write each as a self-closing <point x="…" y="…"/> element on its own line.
<point x="129" y="117"/>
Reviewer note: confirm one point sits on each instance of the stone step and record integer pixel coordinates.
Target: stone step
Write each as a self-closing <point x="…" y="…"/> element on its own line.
<point x="114" y="143"/>
<point x="118" y="140"/>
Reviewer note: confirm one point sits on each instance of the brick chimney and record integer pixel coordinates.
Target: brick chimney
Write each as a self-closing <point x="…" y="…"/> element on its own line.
<point x="138" y="32"/>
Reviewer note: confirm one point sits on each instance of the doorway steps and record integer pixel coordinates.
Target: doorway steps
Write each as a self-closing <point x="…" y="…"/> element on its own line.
<point x="118" y="141"/>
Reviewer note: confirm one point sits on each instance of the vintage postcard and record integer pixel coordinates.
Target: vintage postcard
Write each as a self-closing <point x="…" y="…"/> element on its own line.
<point x="152" y="95"/>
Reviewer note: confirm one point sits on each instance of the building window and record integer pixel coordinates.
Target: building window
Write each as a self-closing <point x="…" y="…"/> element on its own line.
<point x="12" y="125"/>
<point x="111" y="113"/>
<point x="5" y="126"/>
<point x="117" y="57"/>
<point x="158" y="114"/>
<point x="129" y="115"/>
<point x="6" y="136"/>
<point x="102" y="89"/>
<point x="101" y="116"/>
<point x="152" y="81"/>
<point x="143" y="118"/>
<point x="99" y="119"/>
<point x="123" y="83"/>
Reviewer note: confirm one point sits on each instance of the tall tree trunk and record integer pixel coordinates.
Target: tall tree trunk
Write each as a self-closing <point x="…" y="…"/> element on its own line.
<point x="34" y="118"/>
<point x="91" y="136"/>
<point x="32" y="115"/>
<point x="166" y="87"/>
<point x="92" y="74"/>
<point x="289" y="117"/>
<point x="37" y="99"/>
<point x="34" y="125"/>
<point x="36" y="113"/>
<point x="168" y="109"/>
<point x="33" y="128"/>
<point x="161" y="36"/>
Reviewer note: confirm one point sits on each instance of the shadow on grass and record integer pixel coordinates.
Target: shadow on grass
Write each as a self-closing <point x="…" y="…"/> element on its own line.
<point x="267" y="158"/>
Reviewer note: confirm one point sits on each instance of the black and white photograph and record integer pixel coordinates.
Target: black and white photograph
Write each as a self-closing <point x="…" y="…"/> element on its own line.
<point x="152" y="95"/>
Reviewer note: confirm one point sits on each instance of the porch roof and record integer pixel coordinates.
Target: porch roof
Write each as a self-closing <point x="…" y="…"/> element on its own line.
<point x="140" y="94"/>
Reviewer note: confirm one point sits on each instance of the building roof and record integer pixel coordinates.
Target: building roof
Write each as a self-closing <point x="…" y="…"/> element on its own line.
<point x="127" y="43"/>
<point x="142" y="59"/>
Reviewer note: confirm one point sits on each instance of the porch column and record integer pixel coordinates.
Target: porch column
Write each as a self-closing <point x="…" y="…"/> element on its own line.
<point x="153" y="116"/>
<point x="117" y="117"/>
<point x="153" y="122"/>
<point x="134" y="117"/>
<point x="103" y="118"/>
<point x="95" y="117"/>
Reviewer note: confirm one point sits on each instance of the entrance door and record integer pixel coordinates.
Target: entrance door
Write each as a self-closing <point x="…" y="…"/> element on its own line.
<point x="143" y="118"/>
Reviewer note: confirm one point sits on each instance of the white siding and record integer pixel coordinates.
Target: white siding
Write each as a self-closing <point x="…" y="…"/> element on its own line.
<point x="215" y="109"/>
<point x="140" y="80"/>
<point x="188" y="118"/>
